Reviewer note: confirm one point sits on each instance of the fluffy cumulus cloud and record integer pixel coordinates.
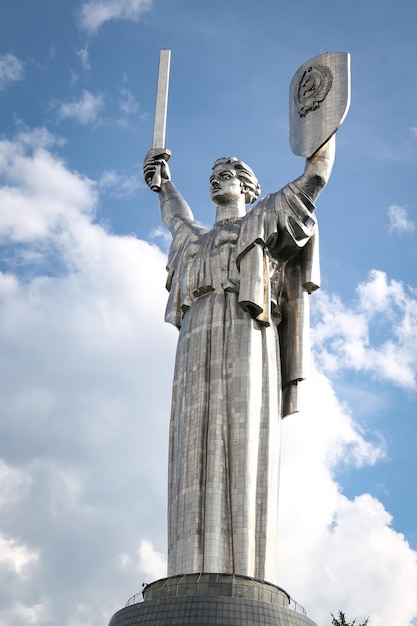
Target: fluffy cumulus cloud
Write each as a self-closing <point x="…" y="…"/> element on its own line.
<point x="95" y="13"/>
<point x="152" y="564"/>
<point x="85" y="374"/>
<point x="350" y="336"/>
<point x="85" y="110"/>
<point x="81" y="337"/>
<point x="11" y="70"/>
<point x="347" y="551"/>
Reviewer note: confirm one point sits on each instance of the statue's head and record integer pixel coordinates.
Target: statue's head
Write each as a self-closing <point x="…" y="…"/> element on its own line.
<point x="249" y="182"/>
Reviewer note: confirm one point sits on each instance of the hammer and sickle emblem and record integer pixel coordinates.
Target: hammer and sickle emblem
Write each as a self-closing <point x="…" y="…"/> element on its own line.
<point x="312" y="89"/>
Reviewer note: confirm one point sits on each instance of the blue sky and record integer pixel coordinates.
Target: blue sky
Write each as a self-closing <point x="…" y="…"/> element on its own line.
<point x="86" y="359"/>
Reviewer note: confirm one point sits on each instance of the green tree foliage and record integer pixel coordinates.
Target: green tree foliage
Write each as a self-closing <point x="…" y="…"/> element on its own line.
<point x="340" y="620"/>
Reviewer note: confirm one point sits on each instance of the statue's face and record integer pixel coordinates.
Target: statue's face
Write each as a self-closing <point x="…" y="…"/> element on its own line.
<point x="224" y="184"/>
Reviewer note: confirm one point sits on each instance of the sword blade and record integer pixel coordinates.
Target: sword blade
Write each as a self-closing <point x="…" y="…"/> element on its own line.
<point x="161" y="103"/>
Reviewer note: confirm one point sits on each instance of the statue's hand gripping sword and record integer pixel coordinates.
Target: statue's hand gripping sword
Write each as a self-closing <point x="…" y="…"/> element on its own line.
<point x="158" y="142"/>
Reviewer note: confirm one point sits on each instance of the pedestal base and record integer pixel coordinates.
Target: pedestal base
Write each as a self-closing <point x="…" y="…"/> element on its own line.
<point x="212" y="600"/>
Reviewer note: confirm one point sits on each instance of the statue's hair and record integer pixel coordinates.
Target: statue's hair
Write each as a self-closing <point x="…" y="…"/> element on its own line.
<point x="246" y="176"/>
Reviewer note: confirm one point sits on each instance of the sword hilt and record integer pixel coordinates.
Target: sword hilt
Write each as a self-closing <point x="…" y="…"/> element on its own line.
<point x="158" y="154"/>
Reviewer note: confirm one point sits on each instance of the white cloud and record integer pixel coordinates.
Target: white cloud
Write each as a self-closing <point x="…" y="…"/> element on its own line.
<point x="119" y="185"/>
<point x="14" y="555"/>
<point x="95" y="13"/>
<point x="399" y="220"/>
<point x="79" y="348"/>
<point x="362" y="540"/>
<point x="13" y="482"/>
<point x="152" y="564"/>
<point x="84" y="55"/>
<point x="39" y="195"/>
<point x="85" y="110"/>
<point x="128" y="105"/>
<point x="349" y="555"/>
<point x="162" y="236"/>
<point x="342" y="333"/>
<point x="36" y="138"/>
<point x="11" y="70"/>
<point x="23" y="614"/>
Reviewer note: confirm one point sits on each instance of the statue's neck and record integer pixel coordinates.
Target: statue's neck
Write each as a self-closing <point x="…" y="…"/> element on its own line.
<point x="230" y="210"/>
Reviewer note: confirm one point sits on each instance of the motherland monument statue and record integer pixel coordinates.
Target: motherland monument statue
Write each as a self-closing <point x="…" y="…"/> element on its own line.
<point x="239" y="295"/>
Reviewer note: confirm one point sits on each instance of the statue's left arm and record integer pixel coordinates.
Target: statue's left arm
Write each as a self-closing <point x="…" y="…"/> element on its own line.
<point x="302" y="275"/>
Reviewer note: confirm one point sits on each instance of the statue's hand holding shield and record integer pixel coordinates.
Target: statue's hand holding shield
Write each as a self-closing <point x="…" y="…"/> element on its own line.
<point x="319" y="101"/>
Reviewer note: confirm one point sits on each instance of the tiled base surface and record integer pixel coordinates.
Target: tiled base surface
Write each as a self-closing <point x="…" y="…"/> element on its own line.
<point x="208" y="611"/>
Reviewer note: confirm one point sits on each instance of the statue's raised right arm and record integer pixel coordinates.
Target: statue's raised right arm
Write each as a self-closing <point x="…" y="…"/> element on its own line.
<point x="173" y="206"/>
<point x="317" y="170"/>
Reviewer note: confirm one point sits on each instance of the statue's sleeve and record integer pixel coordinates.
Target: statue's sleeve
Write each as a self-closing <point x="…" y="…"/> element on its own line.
<point x="183" y="233"/>
<point x="301" y="276"/>
<point x="296" y="228"/>
<point x="282" y="226"/>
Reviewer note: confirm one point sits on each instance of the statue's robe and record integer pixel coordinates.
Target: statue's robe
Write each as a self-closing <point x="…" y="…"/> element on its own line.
<point x="239" y="296"/>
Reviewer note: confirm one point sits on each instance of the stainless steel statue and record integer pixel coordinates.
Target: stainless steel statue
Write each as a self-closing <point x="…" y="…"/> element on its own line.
<point x="238" y="294"/>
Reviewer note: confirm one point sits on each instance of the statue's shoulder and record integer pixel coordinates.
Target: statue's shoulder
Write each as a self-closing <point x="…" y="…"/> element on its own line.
<point x="267" y="203"/>
<point x="264" y="203"/>
<point x="185" y="229"/>
<point x="184" y="233"/>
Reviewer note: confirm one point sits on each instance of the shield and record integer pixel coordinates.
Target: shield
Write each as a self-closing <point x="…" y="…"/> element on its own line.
<point x="319" y="101"/>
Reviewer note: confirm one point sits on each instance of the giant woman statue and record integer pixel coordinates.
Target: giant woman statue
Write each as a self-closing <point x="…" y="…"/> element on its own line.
<point x="238" y="294"/>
